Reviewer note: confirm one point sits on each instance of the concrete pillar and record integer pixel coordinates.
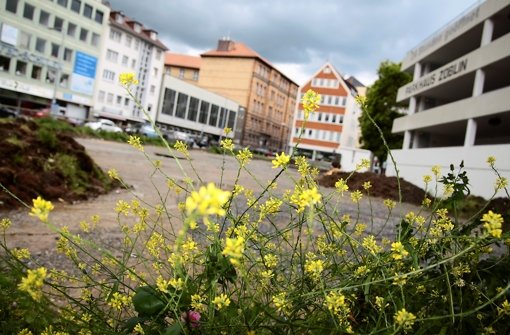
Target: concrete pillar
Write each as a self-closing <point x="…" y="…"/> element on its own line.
<point x="407" y="140"/>
<point x="412" y="105"/>
<point x="416" y="140"/>
<point x="417" y="71"/>
<point x="469" y="139"/>
<point x="479" y="81"/>
<point x="420" y="105"/>
<point x="314" y="155"/>
<point x="488" y="29"/>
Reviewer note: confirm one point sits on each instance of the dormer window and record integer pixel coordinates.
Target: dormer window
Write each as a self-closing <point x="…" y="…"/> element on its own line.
<point x="119" y="18"/>
<point x="137" y="28"/>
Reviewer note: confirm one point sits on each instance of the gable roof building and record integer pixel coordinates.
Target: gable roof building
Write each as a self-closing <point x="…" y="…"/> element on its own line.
<point x="184" y="67"/>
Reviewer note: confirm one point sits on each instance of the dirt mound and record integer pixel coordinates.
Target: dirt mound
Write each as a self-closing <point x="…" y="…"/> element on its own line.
<point x="37" y="160"/>
<point x="382" y="186"/>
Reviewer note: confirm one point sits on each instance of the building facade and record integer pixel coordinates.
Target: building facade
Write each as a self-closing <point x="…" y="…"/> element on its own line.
<point x="190" y="108"/>
<point x="49" y="54"/>
<point x="332" y="131"/>
<point x="235" y="71"/>
<point x="184" y="67"/>
<point x="459" y="99"/>
<point x="129" y="47"/>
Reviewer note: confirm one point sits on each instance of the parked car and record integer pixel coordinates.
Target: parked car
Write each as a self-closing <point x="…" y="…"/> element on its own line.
<point x="7" y="112"/>
<point x="148" y="131"/>
<point x="35" y="112"/>
<point x="175" y="135"/>
<point x="105" y="125"/>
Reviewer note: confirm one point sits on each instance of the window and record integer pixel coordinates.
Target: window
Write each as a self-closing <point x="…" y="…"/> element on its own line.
<point x="193" y="109"/>
<point x="108" y="75"/>
<point x="84" y="33"/>
<point x="95" y="39"/>
<point x="40" y="45"/>
<point x="51" y="75"/>
<point x="58" y="23"/>
<point x="337" y="101"/>
<point x="168" y="102"/>
<point x="333" y="118"/>
<point x="62" y="3"/>
<point x="44" y="18"/>
<point x="109" y="98"/>
<point x="76" y="7"/>
<point x="158" y="54"/>
<point x="99" y="17"/>
<point x="11" y="6"/>
<point x="112" y="56"/>
<point x="28" y="12"/>
<point x="213" y="117"/>
<point x="222" y="119"/>
<point x="126" y="101"/>
<point x="133" y="63"/>
<point x="24" y="40"/>
<point x="87" y="11"/>
<point x="64" y="80"/>
<point x="119" y="100"/>
<point x="71" y="29"/>
<point x="55" y="50"/>
<point x="36" y="72"/>
<point x="181" y="73"/>
<point x="137" y="44"/>
<point x="195" y="75"/>
<point x="231" y="119"/>
<point x="115" y="35"/>
<point x="182" y="102"/>
<point x="155" y="72"/>
<point x="125" y="60"/>
<point x="129" y="40"/>
<point x="100" y="96"/>
<point x="152" y="89"/>
<point x="204" y="110"/>
<point x="68" y="54"/>
<point x="21" y="68"/>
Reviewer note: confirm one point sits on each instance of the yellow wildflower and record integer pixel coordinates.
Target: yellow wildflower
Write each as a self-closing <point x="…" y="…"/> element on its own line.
<point x="367" y="185"/>
<point x="398" y="251"/>
<point x="404" y="319"/>
<point x="370" y="244"/>
<point x="281" y="160"/>
<point x="181" y="147"/>
<point x="221" y="301"/>
<point x="244" y="156"/>
<point x="119" y="300"/>
<point x="227" y="144"/>
<point x="336" y="304"/>
<point x="356" y="196"/>
<point x="314" y="268"/>
<point x="127" y="79"/>
<point x="491" y="160"/>
<point x="21" y="254"/>
<point x="389" y="203"/>
<point x="281" y="303"/>
<point x="41" y="209"/>
<point x="364" y="164"/>
<point x="501" y="183"/>
<point x="270" y="260"/>
<point x="493" y="223"/>
<point x="5" y="223"/>
<point x="33" y="283"/>
<point x="427" y="179"/>
<point x="234" y="248"/>
<point x="207" y="201"/>
<point x="436" y="169"/>
<point x="197" y="303"/>
<point x="138" y="329"/>
<point x="310" y="102"/>
<point x="25" y="331"/>
<point x="341" y="186"/>
<point x="135" y="142"/>
<point x="113" y="174"/>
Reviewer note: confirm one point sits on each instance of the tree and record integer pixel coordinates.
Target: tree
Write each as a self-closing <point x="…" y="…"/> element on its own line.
<point x="381" y="104"/>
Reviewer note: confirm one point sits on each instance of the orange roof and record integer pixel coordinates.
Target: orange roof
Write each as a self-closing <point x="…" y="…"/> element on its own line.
<point x="192" y="62"/>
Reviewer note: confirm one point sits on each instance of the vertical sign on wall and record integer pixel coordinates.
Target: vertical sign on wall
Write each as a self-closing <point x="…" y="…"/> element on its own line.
<point x="84" y="73"/>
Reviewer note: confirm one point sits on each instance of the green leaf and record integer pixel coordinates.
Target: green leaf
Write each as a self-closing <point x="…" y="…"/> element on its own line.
<point x="174" y="329"/>
<point x="147" y="302"/>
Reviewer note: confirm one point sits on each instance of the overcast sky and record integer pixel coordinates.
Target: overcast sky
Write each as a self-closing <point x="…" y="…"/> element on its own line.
<point x="299" y="36"/>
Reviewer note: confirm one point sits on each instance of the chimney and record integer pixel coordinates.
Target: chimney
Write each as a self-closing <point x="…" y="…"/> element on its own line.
<point x="225" y="44"/>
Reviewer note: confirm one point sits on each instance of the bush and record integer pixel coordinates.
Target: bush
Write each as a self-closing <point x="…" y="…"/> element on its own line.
<point x="277" y="262"/>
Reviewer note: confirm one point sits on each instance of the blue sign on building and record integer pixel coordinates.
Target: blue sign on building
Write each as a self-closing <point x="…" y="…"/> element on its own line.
<point x="84" y="73"/>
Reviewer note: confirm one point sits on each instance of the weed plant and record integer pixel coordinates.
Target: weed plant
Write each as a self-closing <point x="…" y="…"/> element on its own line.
<point x="232" y="261"/>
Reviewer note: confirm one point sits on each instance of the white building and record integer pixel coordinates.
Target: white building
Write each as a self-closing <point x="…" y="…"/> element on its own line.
<point x="49" y="52"/>
<point x="459" y="99"/>
<point x="190" y="108"/>
<point x="334" y="128"/>
<point x="129" y="47"/>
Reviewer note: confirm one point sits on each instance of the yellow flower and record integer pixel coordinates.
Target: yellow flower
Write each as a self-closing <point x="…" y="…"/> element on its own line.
<point x="135" y="142"/>
<point x="138" y="329"/>
<point x="310" y="102"/>
<point x="127" y="79"/>
<point x="364" y="164"/>
<point x="119" y="300"/>
<point x="314" y="268"/>
<point x="207" y="201"/>
<point x="493" y="223"/>
<point x="336" y="304"/>
<point x="227" y="144"/>
<point x="197" y="303"/>
<point x="227" y="130"/>
<point x="234" y="248"/>
<point x="398" y="251"/>
<point x="21" y="254"/>
<point x="436" y="169"/>
<point x="367" y="185"/>
<point x="501" y="183"/>
<point x="310" y="197"/>
<point x="281" y="160"/>
<point x="113" y="174"/>
<point x="33" y="283"/>
<point x="281" y="303"/>
<point x="341" y="186"/>
<point x="41" y="209"/>
<point x="221" y="301"/>
<point x="370" y="244"/>
<point x="25" y="332"/>
<point x="270" y="260"/>
<point x="244" y="156"/>
<point x="181" y="147"/>
<point x="427" y="179"/>
<point x="5" y="223"/>
<point x="389" y="203"/>
<point x="356" y="196"/>
<point x="491" y="160"/>
<point x="404" y="319"/>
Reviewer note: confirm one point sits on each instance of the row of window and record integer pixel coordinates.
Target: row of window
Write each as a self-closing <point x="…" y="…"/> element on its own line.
<point x="323" y="82"/>
<point x="322" y="117"/>
<point x="33" y="71"/>
<point x="193" y="109"/>
<point x="116" y="35"/>
<point x="112" y="76"/>
<point x="318" y="134"/>
<point x="331" y="100"/>
<point x="112" y="99"/>
<point x="76" y="6"/>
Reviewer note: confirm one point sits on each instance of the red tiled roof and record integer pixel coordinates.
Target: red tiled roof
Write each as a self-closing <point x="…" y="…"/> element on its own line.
<point x="127" y="25"/>
<point x="187" y="61"/>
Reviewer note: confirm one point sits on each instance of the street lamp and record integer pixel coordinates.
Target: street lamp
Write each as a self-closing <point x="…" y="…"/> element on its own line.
<point x="54" y="104"/>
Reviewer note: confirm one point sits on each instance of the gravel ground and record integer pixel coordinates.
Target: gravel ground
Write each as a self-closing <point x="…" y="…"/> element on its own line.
<point x="135" y="169"/>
